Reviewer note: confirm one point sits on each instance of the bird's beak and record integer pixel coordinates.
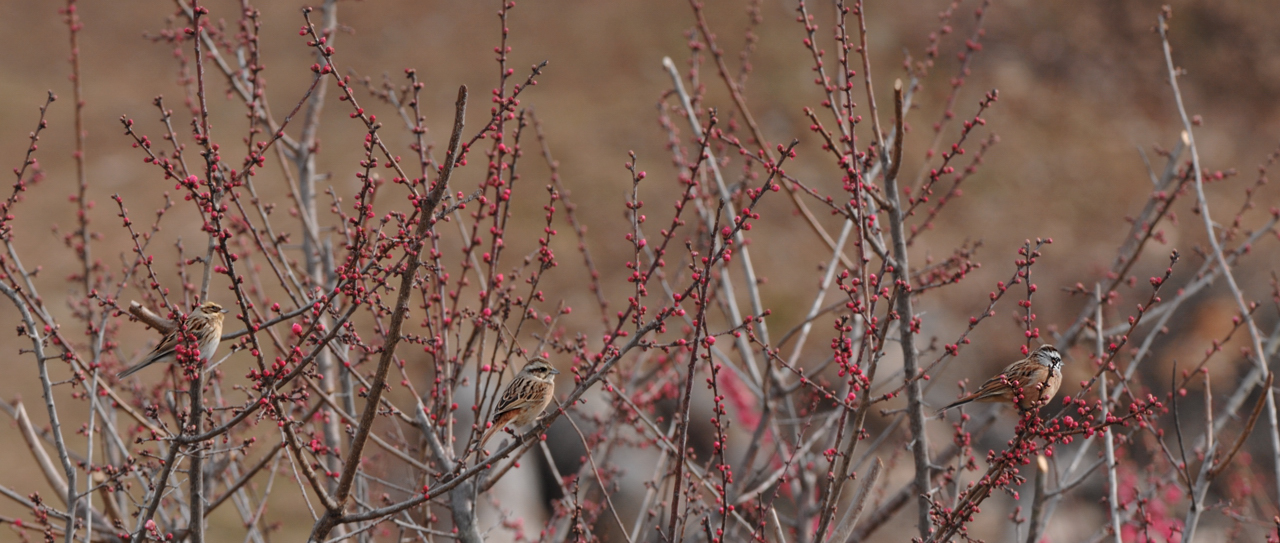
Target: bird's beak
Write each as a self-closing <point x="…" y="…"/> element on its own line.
<point x="224" y="310"/>
<point x="555" y="371"/>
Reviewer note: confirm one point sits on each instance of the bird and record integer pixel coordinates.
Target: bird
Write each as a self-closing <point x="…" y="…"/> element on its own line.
<point x="1038" y="376"/>
<point x="524" y="398"/>
<point x="205" y="323"/>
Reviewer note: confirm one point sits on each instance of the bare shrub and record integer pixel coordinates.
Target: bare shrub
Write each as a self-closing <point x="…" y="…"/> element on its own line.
<point x="713" y="385"/>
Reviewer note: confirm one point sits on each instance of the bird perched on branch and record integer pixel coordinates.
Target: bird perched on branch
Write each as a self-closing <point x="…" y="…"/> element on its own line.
<point x="205" y="323"/>
<point x="1028" y="383"/>
<point x="525" y="397"/>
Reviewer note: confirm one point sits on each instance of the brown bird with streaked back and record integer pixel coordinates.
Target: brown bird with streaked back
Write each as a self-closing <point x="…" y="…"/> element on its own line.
<point x="1038" y="376"/>
<point x="525" y="397"/>
<point x="205" y="323"/>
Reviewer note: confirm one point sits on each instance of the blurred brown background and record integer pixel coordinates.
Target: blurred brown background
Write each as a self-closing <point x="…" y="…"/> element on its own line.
<point x="1082" y="90"/>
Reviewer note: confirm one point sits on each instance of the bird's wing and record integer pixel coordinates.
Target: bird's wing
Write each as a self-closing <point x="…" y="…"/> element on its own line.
<point x="517" y="395"/>
<point x="195" y="326"/>
<point x="166" y="347"/>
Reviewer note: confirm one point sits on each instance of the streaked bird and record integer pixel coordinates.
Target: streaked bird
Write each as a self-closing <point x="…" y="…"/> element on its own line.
<point x="205" y="323"/>
<point x="525" y="397"/>
<point x="1038" y="376"/>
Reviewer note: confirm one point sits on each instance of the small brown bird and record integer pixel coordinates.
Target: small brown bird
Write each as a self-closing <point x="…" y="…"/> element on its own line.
<point x="1038" y="376"/>
<point x="525" y="397"/>
<point x="205" y="323"/>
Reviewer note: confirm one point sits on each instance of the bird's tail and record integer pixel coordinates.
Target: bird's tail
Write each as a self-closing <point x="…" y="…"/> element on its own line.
<point x="489" y="433"/>
<point x="956" y="403"/>
<point x="134" y="368"/>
